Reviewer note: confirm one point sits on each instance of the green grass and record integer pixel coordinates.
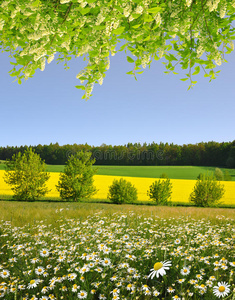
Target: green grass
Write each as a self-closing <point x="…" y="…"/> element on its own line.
<point x="173" y="172"/>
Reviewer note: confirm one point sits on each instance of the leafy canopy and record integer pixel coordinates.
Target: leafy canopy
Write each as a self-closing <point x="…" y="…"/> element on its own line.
<point x="180" y="31"/>
<point x="26" y="174"/>
<point x="76" y="182"/>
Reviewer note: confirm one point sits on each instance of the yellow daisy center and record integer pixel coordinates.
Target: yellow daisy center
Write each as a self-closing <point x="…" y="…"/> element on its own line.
<point x="82" y="294"/>
<point x="32" y="281"/>
<point x="221" y="289"/>
<point x="158" y="266"/>
<point x="185" y="270"/>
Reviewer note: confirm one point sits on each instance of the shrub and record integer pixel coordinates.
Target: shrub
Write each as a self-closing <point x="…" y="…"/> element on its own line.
<point x="227" y="176"/>
<point x="26" y="173"/>
<point x="160" y="191"/>
<point x="200" y="176"/>
<point x="207" y="192"/>
<point x="122" y="191"/>
<point x="219" y="175"/>
<point x="76" y="182"/>
<point x="164" y="175"/>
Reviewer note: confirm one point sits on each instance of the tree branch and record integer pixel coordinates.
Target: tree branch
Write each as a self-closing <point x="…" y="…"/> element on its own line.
<point x="67" y="12"/>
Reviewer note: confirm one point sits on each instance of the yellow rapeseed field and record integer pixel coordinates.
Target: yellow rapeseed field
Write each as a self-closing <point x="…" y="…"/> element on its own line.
<point x="180" y="193"/>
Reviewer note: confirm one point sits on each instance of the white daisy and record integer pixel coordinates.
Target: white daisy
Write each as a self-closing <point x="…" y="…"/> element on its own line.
<point x="159" y="269"/>
<point x="39" y="270"/>
<point x="82" y="295"/>
<point x="156" y="293"/>
<point x="222" y="290"/>
<point x="44" y="253"/>
<point x="106" y="262"/>
<point x="185" y="271"/>
<point x="33" y="283"/>
<point x="5" y="274"/>
<point x="177" y="241"/>
<point x="44" y="298"/>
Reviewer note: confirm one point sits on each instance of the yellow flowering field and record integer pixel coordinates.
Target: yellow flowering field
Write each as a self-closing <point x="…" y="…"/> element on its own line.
<point x="180" y="193"/>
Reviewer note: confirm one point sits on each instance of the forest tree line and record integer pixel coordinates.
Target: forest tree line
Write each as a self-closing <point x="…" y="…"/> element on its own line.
<point x="200" y="154"/>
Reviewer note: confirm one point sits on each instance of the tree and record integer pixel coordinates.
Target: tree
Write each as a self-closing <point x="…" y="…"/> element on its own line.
<point x="180" y="31"/>
<point x="26" y="174"/>
<point x="207" y="192"/>
<point x="160" y="191"/>
<point x="219" y="175"/>
<point x="122" y="191"/>
<point x="76" y="182"/>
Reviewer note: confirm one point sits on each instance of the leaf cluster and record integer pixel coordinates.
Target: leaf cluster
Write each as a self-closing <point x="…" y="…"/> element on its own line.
<point x="207" y="192"/>
<point x="76" y="182"/>
<point x="160" y="191"/>
<point x="122" y="191"/>
<point x="195" y="35"/>
<point x="26" y="174"/>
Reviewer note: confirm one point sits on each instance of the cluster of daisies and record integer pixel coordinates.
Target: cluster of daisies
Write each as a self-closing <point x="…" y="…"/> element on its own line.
<point x="118" y="256"/>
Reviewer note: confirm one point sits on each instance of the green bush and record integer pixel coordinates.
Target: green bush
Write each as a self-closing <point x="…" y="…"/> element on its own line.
<point x="26" y="174"/>
<point x="219" y="175"/>
<point x="76" y="182"/>
<point x="164" y="175"/>
<point x="227" y="176"/>
<point x="207" y="192"/>
<point x="160" y="191"/>
<point x="122" y="191"/>
<point x="200" y="176"/>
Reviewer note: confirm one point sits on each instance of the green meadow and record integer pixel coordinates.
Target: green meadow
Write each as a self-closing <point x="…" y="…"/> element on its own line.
<point x="111" y="252"/>
<point x="173" y="172"/>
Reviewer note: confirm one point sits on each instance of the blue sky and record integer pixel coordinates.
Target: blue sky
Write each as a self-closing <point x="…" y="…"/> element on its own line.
<point x="156" y="108"/>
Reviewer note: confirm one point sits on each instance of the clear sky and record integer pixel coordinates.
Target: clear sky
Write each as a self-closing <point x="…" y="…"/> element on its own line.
<point x="156" y="108"/>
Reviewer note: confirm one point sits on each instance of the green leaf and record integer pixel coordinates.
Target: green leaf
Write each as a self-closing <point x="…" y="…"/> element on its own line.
<point x="130" y="73"/>
<point x="140" y="72"/>
<point x="84" y="11"/>
<point x="147" y="38"/>
<point x="135" y="16"/>
<point x="36" y="3"/>
<point x="136" y="26"/>
<point x="197" y="70"/>
<point x="99" y="27"/>
<point x="170" y="57"/>
<point x="154" y="10"/>
<point x="129" y="59"/>
<point x="119" y="30"/>
<point x="184" y="79"/>
<point x="82" y="87"/>
<point x="148" y="18"/>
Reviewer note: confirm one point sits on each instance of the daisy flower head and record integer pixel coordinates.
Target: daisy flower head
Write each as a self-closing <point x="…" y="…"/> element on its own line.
<point x="5" y="274"/>
<point x="221" y="290"/>
<point x="177" y="241"/>
<point x="39" y="270"/>
<point x="159" y="269"/>
<point x="33" y="283"/>
<point x="232" y="263"/>
<point x="44" y="253"/>
<point x="82" y="295"/>
<point x="185" y="271"/>
<point x="156" y="293"/>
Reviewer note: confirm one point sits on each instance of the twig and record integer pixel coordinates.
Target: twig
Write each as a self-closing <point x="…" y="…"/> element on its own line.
<point x="67" y="12"/>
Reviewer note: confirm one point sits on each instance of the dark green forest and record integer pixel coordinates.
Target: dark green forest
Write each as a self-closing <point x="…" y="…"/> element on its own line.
<point x="201" y="154"/>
